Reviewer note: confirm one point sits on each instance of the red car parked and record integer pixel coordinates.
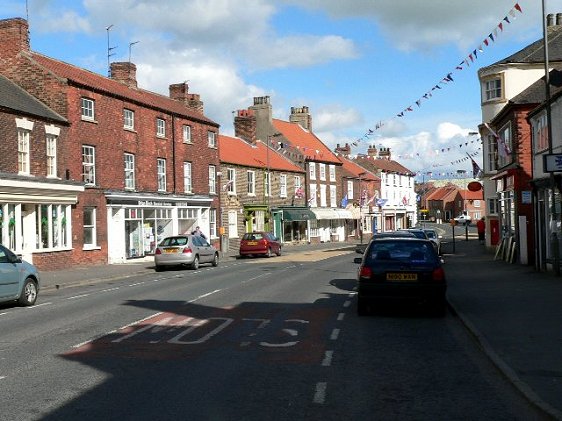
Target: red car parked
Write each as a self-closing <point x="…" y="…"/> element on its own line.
<point x="260" y="243"/>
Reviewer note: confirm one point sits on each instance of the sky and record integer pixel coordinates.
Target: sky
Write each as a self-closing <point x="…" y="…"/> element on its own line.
<point x="357" y="64"/>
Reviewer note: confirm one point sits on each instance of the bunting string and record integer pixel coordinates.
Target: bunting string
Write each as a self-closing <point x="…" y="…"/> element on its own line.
<point x="448" y="78"/>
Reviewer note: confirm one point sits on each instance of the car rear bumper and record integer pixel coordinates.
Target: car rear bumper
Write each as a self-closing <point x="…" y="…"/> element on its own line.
<point x="413" y="292"/>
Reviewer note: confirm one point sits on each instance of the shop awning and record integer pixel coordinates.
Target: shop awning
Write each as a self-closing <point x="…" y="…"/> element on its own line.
<point x="344" y="214"/>
<point x="297" y="215"/>
<point x="325" y="213"/>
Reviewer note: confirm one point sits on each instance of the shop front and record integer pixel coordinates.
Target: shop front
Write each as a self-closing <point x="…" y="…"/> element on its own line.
<point x="294" y="222"/>
<point x="35" y="219"/>
<point x="137" y="223"/>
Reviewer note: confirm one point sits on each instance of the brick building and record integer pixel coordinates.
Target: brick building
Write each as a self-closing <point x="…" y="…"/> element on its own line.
<point x="256" y="178"/>
<point x="36" y="205"/>
<point x="322" y="186"/>
<point x="148" y="162"/>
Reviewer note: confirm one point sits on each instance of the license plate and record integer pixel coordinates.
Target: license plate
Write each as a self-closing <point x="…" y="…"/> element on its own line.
<point x="401" y="277"/>
<point x="252" y="243"/>
<point x="170" y="250"/>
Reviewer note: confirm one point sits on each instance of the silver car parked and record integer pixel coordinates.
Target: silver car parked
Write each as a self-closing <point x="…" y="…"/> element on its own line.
<point x="19" y="280"/>
<point x="187" y="250"/>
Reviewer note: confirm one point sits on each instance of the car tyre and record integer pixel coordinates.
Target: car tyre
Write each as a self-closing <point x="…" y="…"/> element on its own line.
<point x="158" y="268"/>
<point x="269" y="253"/>
<point x="216" y="260"/>
<point x="279" y="251"/>
<point x="28" y="293"/>
<point x="195" y="264"/>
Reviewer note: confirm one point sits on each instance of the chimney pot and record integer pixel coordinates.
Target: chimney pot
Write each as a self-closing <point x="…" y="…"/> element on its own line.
<point x="558" y="19"/>
<point x="550" y="19"/>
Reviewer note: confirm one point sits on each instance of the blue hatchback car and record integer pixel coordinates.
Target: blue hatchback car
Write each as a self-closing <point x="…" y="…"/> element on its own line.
<point x="19" y="280"/>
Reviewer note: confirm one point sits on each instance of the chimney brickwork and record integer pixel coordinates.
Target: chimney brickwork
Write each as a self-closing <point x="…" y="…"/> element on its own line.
<point x="245" y="125"/>
<point x="124" y="72"/>
<point x="343" y="150"/>
<point x="301" y="116"/>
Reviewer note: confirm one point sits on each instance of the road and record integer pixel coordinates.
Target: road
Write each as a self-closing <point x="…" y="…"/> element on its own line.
<point x="255" y="339"/>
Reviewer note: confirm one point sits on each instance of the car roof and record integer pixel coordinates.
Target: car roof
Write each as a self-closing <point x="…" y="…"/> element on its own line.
<point x="393" y="234"/>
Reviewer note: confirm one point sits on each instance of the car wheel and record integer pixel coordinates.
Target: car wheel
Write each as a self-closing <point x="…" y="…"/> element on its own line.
<point x="361" y="307"/>
<point x="195" y="264"/>
<point x="216" y="260"/>
<point x="269" y="253"/>
<point x="28" y="293"/>
<point x="279" y="251"/>
<point x="158" y="268"/>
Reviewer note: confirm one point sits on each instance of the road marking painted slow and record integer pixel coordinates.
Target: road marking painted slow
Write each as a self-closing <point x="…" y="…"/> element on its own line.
<point x="320" y="393"/>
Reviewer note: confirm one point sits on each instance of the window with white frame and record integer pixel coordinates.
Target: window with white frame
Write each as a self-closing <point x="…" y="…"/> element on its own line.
<point x="51" y="141"/>
<point x="231" y="181"/>
<point x="298" y="191"/>
<point x="23" y="151"/>
<point x="492" y="206"/>
<point x="232" y="224"/>
<point x="492" y="89"/>
<point x="212" y="179"/>
<point x="161" y="170"/>
<point x="89" y="227"/>
<point x="333" y="201"/>
<point x="129" y="160"/>
<point x="212" y="139"/>
<point x="87" y="109"/>
<point x="213" y="223"/>
<point x="322" y="171"/>
<point x="89" y="165"/>
<point x="476" y="203"/>
<point x="267" y="183"/>
<point x="283" y="185"/>
<point x="323" y="195"/>
<point x="540" y="133"/>
<point x="160" y="127"/>
<point x="349" y="189"/>
<point x="186" y="133"/>
<point x="312" y="201"/>
<point x="187" y="183"/>
<point x="332" y="169"/>
<point x="128" y="119"/>
<point x="251" y="183"/>
<point x="312" y="170"/>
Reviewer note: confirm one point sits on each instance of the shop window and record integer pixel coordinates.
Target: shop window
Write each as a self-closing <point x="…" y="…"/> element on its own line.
<point x="89" y="224"/>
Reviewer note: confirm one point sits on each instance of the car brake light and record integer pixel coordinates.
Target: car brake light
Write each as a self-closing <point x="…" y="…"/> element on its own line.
<point x="438" y="274"/>
<point x="365" y="272"/>
<point x="158" y="251"/>
<point x="187" y="250"/>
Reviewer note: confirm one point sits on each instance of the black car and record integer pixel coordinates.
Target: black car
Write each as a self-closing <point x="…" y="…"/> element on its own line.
<point x="387" y="234"/>
<point x="401" y="270"/>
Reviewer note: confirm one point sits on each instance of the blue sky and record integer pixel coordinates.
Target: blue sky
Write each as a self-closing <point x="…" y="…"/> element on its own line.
<point x="354" y="63"/>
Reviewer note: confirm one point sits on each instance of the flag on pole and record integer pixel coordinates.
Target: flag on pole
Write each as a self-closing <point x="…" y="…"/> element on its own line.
<point x="344" y="201"/>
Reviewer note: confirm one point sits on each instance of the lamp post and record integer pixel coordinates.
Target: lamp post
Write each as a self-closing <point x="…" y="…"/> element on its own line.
<point x="268" y="173"/>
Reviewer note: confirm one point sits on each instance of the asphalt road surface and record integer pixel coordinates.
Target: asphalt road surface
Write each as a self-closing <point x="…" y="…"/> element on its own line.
<point x="252" y="339"/>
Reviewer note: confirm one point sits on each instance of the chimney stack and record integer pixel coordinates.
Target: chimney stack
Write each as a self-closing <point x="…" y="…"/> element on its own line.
<point x="245" y="126"/>
<point x="345" y="150"/>
<point x="372" y="151"/>
<point x="124" y="72"/>
<point x="301" y="116"/>
<point x="180" y="92"/>
<point x="385" y="153"/>
<point x="14" y="37"/>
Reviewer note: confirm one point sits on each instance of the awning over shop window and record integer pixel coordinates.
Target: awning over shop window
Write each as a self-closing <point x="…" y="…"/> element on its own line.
<point x="297" y="215"/>
<point x="344" y="214"/>
<point x="325" y="213"/>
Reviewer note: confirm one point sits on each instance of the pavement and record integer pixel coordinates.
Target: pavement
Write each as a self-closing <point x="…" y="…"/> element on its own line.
<point x="513" y="312"/>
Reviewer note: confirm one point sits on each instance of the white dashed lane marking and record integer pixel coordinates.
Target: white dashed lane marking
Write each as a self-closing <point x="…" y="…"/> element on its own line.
<point x="335" y="334"/>
<point x="320" y="393"/>
<point x="327" y="358"/>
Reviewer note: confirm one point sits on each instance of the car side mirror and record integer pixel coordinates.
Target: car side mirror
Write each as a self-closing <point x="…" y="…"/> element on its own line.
<point x="358" y="260"/>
